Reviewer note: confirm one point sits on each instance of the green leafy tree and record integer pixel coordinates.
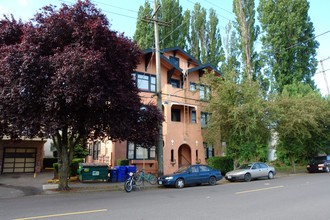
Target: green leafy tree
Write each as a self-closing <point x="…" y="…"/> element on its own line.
<point x="248" y="34"/>
<point x="301" y="120"/>
<point x="239" y="116"/>
<point x="288" y="41"/>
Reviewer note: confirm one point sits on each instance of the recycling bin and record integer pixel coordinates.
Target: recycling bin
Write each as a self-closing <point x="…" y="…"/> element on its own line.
<point x="113" y="175"/>
<point x="93" y="171"/>
<point x="121" y="173"/>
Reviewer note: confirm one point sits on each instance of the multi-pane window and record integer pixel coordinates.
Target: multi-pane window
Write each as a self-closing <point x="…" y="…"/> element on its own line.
<point x="90" y="148"/>
<point x="193" y="117"/>
<point x="175" y="60"/>
<point x="209" y="151"/>
<point x="134" y="151"/>
<point x="192" y="86"/>
<point x="175" y="114"/>
<point x="204" y="91"/>
<point x="144" y="81"/>
<point x="96" y="149"/>
<point x="205" y="117"/>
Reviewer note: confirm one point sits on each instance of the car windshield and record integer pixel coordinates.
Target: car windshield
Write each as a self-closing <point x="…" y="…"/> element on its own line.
<point x="316" y="159"/>
<point x="182" y="169"/>
<point x="245" y="166"/>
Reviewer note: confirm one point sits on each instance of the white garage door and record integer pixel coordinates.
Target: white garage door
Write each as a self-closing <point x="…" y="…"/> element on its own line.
<point x="19" y="160"/>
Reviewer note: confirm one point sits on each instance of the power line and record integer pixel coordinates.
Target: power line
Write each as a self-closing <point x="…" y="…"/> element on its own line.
<point x="114" y="6"/>
<point x="111" y="12"/>
<point x="219" y="7"/>
<point x="306" y="40"/>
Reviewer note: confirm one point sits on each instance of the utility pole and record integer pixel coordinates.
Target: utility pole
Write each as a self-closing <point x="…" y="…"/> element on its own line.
<point x="325" y="77"/>
<point x="153" y="19"/>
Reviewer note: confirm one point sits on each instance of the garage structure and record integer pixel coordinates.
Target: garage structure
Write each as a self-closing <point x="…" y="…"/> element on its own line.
<point x="22" y="156"/>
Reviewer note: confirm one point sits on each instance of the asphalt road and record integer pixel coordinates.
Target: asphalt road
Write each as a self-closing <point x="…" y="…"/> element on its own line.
<point x="298" y="197"/>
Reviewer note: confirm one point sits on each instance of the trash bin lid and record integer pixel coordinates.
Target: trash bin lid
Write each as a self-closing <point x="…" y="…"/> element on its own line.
<point x="94" y="165"/>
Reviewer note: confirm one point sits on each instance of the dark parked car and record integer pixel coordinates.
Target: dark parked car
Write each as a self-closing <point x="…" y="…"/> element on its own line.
<point x="193" y="174"/>
<point x="250" y="171"/>
<point x="319" y="164"/>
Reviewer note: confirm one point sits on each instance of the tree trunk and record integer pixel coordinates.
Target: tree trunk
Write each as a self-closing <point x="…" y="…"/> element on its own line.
<point x="292" y="163"/>
<point x="63" y="169"/>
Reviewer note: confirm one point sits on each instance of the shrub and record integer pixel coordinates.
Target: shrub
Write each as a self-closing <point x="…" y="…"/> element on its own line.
<point x="122" y="162"/>
<point x="48" y="162"/>
<point x="224" y="164"/>
<point x="75" y="166"/>
<point x="55" y="166"/>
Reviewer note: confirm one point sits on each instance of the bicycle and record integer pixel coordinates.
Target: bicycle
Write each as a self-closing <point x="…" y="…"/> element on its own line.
<point x="141" y="176"/>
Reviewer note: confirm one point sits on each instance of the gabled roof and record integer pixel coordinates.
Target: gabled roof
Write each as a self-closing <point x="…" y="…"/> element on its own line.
<point x="182" y="51"/>
<point x="200" y="66"/>
<point x="204" y="66"/>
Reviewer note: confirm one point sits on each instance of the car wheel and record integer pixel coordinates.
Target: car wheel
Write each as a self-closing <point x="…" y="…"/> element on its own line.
<point x="270" y="175"/>
<point x="327" y="170"/>
<point x="247" y="177"/>
<point x="212" y="181"/>
<point x="179" y="183"/>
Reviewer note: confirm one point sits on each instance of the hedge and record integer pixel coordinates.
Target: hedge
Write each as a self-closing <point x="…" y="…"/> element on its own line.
<point x="122" y="162"/>
<point x="74" y="166"/>
<point x="224" y="164"/>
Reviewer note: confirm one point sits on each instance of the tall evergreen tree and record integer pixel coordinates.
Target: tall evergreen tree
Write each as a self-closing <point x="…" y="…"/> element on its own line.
<point x="204" y="39"/>
<point x="144" y="33"/>
<point x="288" y="41"/>
<point x="230" y="44"/>
<point x="248" y="34"/>
<point x="169" y="36"/>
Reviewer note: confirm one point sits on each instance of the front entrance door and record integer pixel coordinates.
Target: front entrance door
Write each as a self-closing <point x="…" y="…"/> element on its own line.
<point x="184" y="155"/>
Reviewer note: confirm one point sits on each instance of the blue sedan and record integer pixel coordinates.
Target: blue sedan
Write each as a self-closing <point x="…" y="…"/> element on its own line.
<point x="193" y="174"/>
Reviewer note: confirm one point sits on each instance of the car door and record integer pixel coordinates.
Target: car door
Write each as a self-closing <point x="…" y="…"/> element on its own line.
<point x="192" y="175"/>
<point x="204" y="173"/>
<point x="255" y="171"/>
<point x="264" y="169"/>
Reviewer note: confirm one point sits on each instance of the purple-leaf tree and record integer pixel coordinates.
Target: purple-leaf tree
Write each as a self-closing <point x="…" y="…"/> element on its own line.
<point x="67" y="76"/>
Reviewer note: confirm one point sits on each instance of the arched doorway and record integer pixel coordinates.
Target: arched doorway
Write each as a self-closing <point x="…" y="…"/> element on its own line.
<point x="184" y="155"/>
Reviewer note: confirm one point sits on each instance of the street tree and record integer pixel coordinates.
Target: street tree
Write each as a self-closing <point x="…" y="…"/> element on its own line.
<point x="239" y="116"/>
<point x="301" y="120"/>
<point x="288" y="41"/>
<point x="68" y="77"/>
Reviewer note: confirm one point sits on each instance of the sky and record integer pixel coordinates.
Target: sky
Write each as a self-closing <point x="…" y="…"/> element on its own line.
<point x="122" y="15"/>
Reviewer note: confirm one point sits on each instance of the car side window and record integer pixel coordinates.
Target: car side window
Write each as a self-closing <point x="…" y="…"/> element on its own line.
<point x="255" y="166"/>
<point x="204" y="168"/>
<point x="194" y="169"/>
<point x="262" y="165"/>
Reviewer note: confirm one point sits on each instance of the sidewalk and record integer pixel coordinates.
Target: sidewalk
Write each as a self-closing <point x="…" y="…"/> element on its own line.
<point x="26" y="184"/>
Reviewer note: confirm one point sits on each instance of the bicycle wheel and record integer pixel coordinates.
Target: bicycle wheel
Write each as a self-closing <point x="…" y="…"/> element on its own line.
<point x="128" y="186"/>
<point x="139" y="177"/>
<point x="152" y="179"/>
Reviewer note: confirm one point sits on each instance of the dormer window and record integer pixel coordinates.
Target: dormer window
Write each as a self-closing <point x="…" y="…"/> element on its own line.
<point x="175" y="60"/>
